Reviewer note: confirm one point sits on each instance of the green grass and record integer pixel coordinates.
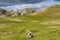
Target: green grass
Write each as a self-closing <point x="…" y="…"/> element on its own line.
<point x="43" y="26"/>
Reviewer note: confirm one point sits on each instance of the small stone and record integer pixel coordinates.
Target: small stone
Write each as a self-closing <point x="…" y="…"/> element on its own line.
<point x="29" y="34"/>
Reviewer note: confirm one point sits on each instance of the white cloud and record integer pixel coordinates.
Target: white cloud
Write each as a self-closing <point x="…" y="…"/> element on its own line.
<point x="36" y="5"/>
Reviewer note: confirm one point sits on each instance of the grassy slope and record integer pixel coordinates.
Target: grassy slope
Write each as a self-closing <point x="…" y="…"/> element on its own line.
<point x="45" y="25"/>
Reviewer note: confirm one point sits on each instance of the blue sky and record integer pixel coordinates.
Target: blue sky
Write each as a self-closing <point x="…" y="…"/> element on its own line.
<point x="21" y="4"/>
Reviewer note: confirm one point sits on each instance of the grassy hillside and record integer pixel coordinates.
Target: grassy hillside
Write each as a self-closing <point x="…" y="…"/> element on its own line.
<point x="45" y="25"/>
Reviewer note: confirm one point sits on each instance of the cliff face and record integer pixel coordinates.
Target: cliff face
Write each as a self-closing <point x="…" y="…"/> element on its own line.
<point x="17" y="12"/>
<point x="2" y="11"/>
<point x="26" y="11"/>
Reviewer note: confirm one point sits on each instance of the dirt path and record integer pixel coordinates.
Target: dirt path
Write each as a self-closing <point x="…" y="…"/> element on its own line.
<point x="14" y="19"/>
<point x="46" y="22"/>
<point x="51" y="22"/>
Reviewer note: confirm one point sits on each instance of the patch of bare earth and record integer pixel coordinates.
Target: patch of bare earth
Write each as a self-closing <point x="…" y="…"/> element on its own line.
<point x="7" y="32"/>
<point x="51" y="22"/>
<point x="34" y="21"/>
<point x="52" y="27"/>
<point x="21" y="20"/>
<point x="4" y="25"/>
<point x="14" y="19"/>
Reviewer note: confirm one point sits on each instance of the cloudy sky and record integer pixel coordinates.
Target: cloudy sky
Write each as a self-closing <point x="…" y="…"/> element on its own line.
<point x="20" y="4"/>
